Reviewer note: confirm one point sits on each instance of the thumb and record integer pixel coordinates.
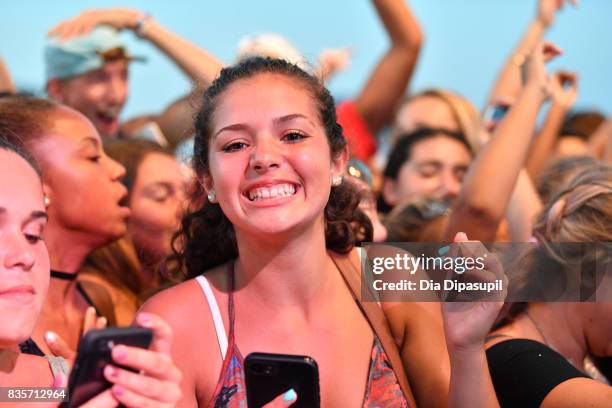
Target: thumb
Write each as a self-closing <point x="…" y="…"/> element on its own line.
<point x="60" y="381"/>
<point x="103" y="400"/>
<point x="284" y="400"/>
<point x="58" y="346"/>
<point x="461" y="237"/>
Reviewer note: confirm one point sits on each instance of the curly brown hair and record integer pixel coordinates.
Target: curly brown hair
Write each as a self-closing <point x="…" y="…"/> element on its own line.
<point x="206" y="237"/>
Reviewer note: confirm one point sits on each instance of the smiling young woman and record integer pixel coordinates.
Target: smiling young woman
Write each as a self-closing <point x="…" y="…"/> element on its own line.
<point x="269" y="239"/>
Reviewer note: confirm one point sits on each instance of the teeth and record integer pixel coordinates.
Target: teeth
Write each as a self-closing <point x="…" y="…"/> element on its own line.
<point x="281" y="190"/>
<point x="111" y="113"/>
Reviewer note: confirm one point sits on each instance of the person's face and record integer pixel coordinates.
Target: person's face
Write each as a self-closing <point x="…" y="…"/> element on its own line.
<point x="99" y="95"/>
<point x="435" y="169"/>
<point x="424" y="111"/>
<point x="81" y="181"/>
<point x="24" y="261"/>
<point x="156" y="200"/>
<point x="270" y="159"/>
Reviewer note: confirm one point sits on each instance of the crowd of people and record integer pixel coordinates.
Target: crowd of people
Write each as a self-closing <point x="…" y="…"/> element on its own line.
<point x="231" y="222"/>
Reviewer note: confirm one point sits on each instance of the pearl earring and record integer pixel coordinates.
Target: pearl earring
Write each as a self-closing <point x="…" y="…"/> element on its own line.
<point x="336" y="181"/>
<point x="47" y="201"/>
<point x="212" y="196"/>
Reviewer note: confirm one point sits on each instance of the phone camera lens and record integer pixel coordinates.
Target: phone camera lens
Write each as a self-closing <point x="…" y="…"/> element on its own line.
<point x="262" y="369"/>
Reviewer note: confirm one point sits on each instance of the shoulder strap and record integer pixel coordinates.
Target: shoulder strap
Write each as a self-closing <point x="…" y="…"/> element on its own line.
<point x="348" y="265"/>
<point x="98" y="297"/>
<point x="216" y="315"/>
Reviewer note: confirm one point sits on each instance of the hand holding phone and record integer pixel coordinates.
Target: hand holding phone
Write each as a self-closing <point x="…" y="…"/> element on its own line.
<point x="133" y="376"/>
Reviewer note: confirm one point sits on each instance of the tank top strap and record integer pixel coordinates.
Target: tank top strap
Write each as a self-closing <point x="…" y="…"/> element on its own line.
<point x="216" y="314"/>
<point x="230" y="300"/>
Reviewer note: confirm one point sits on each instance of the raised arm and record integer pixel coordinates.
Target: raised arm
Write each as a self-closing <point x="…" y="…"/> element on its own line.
<point x="600" y="142"/>
<point x="387" y="83"/>
<point x="6" y="83"/>
<point x="508" y="84"/>
<point x="491" y="179"/>
<point x="466" y="325"/>
<point x="196" y="63"/>
<point x="562" y="100"/>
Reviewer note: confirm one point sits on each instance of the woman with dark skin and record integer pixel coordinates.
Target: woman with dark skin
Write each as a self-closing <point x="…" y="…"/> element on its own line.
<point x="128" y="267"/>
<point x="83" y="198"/>
<point x="24" y="270"/>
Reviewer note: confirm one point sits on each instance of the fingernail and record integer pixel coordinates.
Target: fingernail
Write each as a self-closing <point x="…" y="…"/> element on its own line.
<point x="290" y="395"/>
<point x="443" y="250"/>
<point x="461" y="235"/>
<point x="144" y="319"/>
<point x="119" y="353"/>
<point x="110" y="371"/>
<point x="50" y="337"/>
<point x="118" y="390"/>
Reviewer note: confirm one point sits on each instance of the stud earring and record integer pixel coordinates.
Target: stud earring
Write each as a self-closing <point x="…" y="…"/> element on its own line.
<point x="212" y="196"/>
<point x="336" y="181"/>
<point x="47" y="201"/>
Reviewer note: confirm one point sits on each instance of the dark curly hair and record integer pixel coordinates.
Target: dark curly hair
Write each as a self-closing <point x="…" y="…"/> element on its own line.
<point x="206" y="237"/>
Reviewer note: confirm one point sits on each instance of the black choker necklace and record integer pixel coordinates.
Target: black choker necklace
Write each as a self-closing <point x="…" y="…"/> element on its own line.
<point x="63" y="275"/>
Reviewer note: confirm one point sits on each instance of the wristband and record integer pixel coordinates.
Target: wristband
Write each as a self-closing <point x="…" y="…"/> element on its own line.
<point x="141" y="23"/>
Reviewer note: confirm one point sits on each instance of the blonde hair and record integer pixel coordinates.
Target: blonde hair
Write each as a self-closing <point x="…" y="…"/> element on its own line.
<point x="582" y="212"/>
<point x="464" y="112"/>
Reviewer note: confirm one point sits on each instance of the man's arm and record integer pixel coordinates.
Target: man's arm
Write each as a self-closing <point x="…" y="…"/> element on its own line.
<point x="196" y="63"/>
<point x="387" y="83"/>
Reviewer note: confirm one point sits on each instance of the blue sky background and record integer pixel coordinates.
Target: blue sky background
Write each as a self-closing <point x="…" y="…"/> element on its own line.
<point x="466" y="41"/>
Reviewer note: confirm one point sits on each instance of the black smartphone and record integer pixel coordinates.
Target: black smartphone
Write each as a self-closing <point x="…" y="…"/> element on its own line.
<point x="270" y="375"/>
<point x="87" y="377"/>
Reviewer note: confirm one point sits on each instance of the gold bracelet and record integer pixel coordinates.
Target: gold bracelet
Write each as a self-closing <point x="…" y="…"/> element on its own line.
<point x="518" y="59"/>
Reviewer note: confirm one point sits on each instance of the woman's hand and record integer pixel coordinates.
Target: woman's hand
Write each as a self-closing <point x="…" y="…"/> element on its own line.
<point x="564" y="88"/>
<point x="332" y="61"/>
<point x="467" y="323"/>
<point x="286" y="399"/>
<point x="548" y="8"/>
<point x="156" y="382"/>
<point x="533" y="70"/>
<point x="60" y="348"/>
<point x="119" y="18"/>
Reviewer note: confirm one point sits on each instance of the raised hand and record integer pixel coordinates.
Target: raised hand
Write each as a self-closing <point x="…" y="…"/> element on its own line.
<point x="332" y="61"/>
<point x="564" y="88"/>
<point x="534" y="70"/>
<point x="467" y="323"/>
<point x="119" y="18"/>
<point x="547" y="9"/>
